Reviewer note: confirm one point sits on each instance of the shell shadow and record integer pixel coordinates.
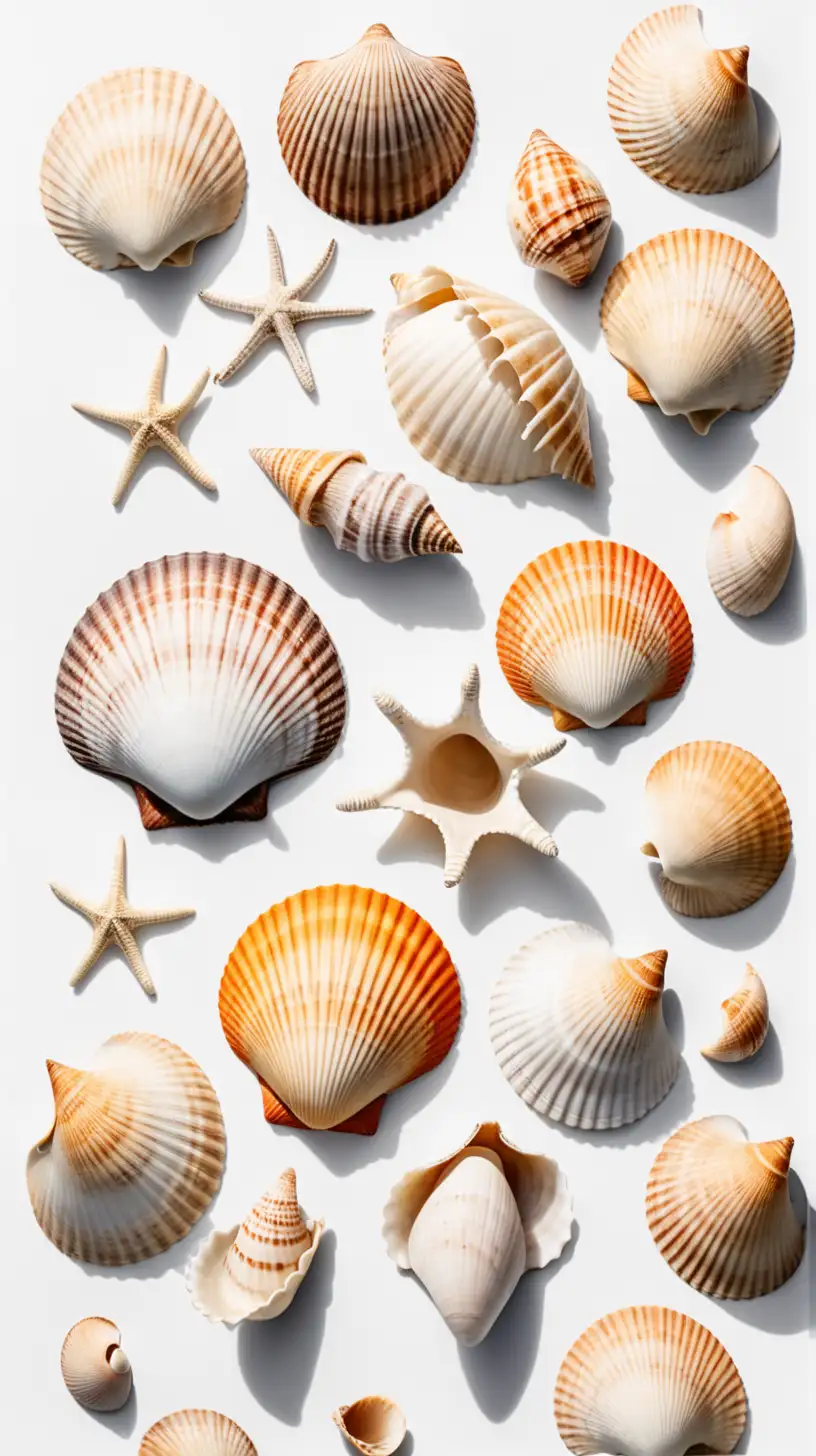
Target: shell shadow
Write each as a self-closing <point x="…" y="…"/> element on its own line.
<point x="763" y="1069"/>
<point x="745" y="929"/>
<point x="508" y="876"/>
<point x="278" y="1357"/>
<point x="757" y="205"/>
<point x="578" y="309"/>
<point x="414" y="227"/>
<point x="713" y="460"/>
<point x="165" y="295"/>
<point x="419" y="592"/>
<point x="787" y="1310"/>
<point x="785" y="620"/>
<point x="120" y="1423"/>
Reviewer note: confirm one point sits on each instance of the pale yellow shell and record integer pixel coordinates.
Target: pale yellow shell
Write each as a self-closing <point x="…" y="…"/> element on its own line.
<point x="751" y="545"/>
<point x="745" y="1022"/>
<point x="94" y="1366"/>
<point x="196" y="1433"/>
<point x="558" y="212"/>
<point x="374" y="1425"/>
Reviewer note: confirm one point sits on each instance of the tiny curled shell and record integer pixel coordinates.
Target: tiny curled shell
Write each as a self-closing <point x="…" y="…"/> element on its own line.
<point x="94" y="1366"/>
<point x="751" y="545"/>
<point x="745" y="1022"/>
<point x="373" y="1424"/>
<point x="558" y="212"/>
<point x="196" y="1433"/>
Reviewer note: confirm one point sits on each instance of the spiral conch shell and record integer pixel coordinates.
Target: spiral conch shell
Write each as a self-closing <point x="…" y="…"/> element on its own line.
<point x="196" y="1433"/>
<point x="94" y="1366"/>
<point x="483" y="387"/>
<point x="374" y="1425"/>
<point x="559" y="214"/>
<point x="745" y="1021"/>
<point x="751" y="546"/>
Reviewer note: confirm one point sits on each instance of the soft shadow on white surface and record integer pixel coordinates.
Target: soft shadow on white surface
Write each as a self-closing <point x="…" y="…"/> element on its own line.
<point x="608" y="743"/>
<point x="120" y="1423"/>
<point x="785" y="620"/>
<point x="763" y="1069"/>
<point x="423" y="591"/>
<point x="524" y="879"/>
<point x="166" y="294"/>
<point x="713" y="460"/>
<point x="746" y="928"/>
<point x="579" y="309"/>
<point x="278" y="1357"/>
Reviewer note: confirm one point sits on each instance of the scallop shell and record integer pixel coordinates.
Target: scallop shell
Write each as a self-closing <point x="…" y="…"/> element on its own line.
<point x="139" y="168"/>
<point x="745" y="1022"/>
<point x="94" y="1366"/>
<point x="684" y="113"/>
<point x="751" y="546"/>
<point x="483" y="387"/>
<point x="134" y="1156"/>
<point x="719" y="1210"/>
<point x="196" y="1433"/>
<point x="200" y="679"/>
<point x="376" y="516"/>
<point x="595" y="632"/>
<point x="334" y="998"/>
<point x="700" y="323"/>
<point x="374" y="1425"/>
<point x="559" y="214"/>
<point x="378" y="133"/>
<point x="470" y="1225"/>
<point x="720" y="826"/>
<point x="650" y="1382"/>
<point x="579" y="1034"/>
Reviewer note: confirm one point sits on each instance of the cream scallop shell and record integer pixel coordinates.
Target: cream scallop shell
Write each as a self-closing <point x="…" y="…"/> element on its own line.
<point x="196" y="1433"/>
<point x="335" y="997"/>
<point x="200" y="679"/>
<point x="751" y="545"/>
<point x="744" y="1022"/>
<point x="94" y="1366"/>
<point x="378" y="133"/>
<point x="558" y="212"/>
<point x="374" y="1425"/>
<point x="700" y="323"/>
<point x="140" y="167"/>
<point x="650" y="1382"/>
<point x="719" y="1210"/>
<point x="483" y="387"/>
<point x="135" y="1154"/>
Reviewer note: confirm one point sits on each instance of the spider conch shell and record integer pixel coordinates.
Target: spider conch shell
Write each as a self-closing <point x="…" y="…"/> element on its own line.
<point x="196" y="1433"/>
<point x="483" y="387"/>
<point x="335" y="997"/>
<point x="139" y="168"/>
<point x="135" y="1154"/>
<point x="374" y="1425"/>
<point x="744" y="1021"/>
<point x="720" y="826"/>
<point x="94" y="1366"/>
<point x="684" y="113"/>
<point x="719" y="1210"/>
<point x="579" y="1033"/>
<point x="700" y="323"/>
<point x="470" y="1225"/>
<point x="595" y="632"/>
<point x="377" y="516"/>
<point x="650" y="1382"/>
<point x="750" y="548"/>
<point x="559" y="214"/>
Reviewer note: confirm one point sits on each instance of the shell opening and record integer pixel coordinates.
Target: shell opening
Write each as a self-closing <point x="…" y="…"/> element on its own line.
<point x="462" y="774"/>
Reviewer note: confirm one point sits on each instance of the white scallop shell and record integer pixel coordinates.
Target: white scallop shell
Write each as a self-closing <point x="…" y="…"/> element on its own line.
<point x="751" y="545"/>
<point x="94" y="1366"/>
<point x="196" y="1433"/>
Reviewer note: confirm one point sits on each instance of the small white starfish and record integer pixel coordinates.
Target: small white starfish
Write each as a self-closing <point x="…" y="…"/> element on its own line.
<point x="114" y="922"/>
<point x="278" y="312"/>
<point x="154" y="425"/>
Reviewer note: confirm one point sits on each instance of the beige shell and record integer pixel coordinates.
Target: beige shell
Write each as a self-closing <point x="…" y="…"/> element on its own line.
<point x="482" y="386"/>
<point x="745" y="1022"/>
<point x="141" y="166"/>
<point x="196" y="1433"/>
<point x="700" y="323"/>
<point x="751" y="545"/>
<point x="719" y="1210"/>
<point x="374" y="1425"/>
<point x="559" y="214"/>
<point x="94" y="1366"/>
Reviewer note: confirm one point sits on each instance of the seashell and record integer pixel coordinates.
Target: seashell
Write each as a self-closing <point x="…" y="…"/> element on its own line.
<point x="559" y="214"/>
<point x="751" y="546"/>
<point x="483" y="387"/>
<point x="719" y="1210"/>
<point x="684" y="113"/>
<point x="141" y="166"/>
<point x="595" y="632"/>
<point x="700" y="323"/>
<point x="196" y="1433"/>
<point x="579" y="1034"/>
<point x="650" y="1382"/>
<point x="376" y="516"/>
<point x="378" y="133"/>
<point x="720" y="826"/>
<point x="334" y="998"/>
<point x="745" y="1022"/>
<point x="200" y="679"/>
<point x="470" y="1225"/>
<point x="94" y="1366"/>
<point x="374" y="1425"/>
<point x="134" y="1156"/>
<point x="255" y="1269"/>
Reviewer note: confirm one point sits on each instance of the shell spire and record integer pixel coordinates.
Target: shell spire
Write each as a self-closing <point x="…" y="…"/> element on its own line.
<point x="745" y="1020"/>
<point x="559" y="214"/>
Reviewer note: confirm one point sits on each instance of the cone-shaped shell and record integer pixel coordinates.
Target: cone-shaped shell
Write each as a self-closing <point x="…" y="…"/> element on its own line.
<point x="377" y="516"/>
<point x="650" y="1382"/>
<point x="135" y="1154"/>
<point x="94" y="1366"/>
<point x="140" y="167"/>
<point x="200" y="679"/>
<point x="719" y="1210"/>
<point x="595" y="632"/>
<point x="335" y="997"/>
<point x="684" y="113"/>
<point x="745" y="1019"/>
<point x="196" y="1433"/>
<point x="701" y="324"/>
<point x="483" y="387"/>
<point x="558" y="212"/>
<point x="378" y="133"/>
<point x="374" y="1425"/>
<point x="720" y="826"/>
<point x="750" y="548"/>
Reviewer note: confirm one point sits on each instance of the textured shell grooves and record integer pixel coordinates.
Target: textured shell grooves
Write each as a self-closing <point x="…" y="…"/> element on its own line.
<point x="196" y="1433"/>
<point x="559" y="214"/>
<point x="94" y="1366"/>
<point x="751" y="546"/>
<point x="745" y="1018"/>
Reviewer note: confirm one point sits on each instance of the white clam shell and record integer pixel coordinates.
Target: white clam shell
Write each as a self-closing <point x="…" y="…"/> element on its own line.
<point x="94" y="1366"/>
<point x="751" y="545"/>
<point x="196" y="1433"/>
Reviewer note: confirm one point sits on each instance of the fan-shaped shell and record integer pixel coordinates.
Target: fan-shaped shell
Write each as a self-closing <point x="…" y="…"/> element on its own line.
<point x="483" y="387"/>
<point x="700" y="323"/>
<point x="595" y="632"/>
<point x="94" y="1366"/>
<point x="650" y="1382"/>
<point x="719" y="1210"/>
<point x="374" y="1425"/>
<point x="200" y="679"/>
<point x="196" y="1433"/>
<point x="141" y="166"/>
<point x="750" y="548"/>
<point x="559" y="214"/>
<point x="378" y="133"/>
<point x="335" y="997"/>
<point x="135" y="1154"/>
<point x="720" y="826"/>
<point x="744" y="1022"/>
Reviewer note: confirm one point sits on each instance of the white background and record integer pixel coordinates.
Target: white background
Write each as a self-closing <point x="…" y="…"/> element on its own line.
<point x="357" y="1325"/>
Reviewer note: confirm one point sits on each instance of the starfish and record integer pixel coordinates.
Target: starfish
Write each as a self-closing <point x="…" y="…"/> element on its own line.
<point x="278" y="312"/>
<point x="114" y="922"/>
<point x="461" y="778"/>
<point x="156" y="424"/>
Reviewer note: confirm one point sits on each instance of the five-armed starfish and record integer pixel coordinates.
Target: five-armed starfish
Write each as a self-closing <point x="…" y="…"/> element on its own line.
<point x="278" y="312"/>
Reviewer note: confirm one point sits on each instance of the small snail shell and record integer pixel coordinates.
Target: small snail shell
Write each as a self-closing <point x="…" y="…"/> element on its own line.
<point x="94" y="1366"/>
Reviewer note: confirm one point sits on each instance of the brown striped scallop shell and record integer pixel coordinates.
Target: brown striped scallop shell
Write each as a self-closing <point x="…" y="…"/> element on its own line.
<point x="558" y="212"/>
<point x="745" y="1021"/>
<point x="196" y="1433"/>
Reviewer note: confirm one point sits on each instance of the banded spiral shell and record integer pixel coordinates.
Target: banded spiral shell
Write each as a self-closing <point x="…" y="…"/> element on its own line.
<point x="559" y="214"/>
<point x="196" y="1433"/>
<point x="751" y="546"/>
<point x="745" y="1020"/>
<point x="374" y="1425"/>
<point x="94" y="1366"/>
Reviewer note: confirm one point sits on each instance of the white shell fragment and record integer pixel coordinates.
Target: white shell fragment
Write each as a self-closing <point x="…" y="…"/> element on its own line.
<point x="94" y="1366"/>
<point x="751" y="545"/>
<point x="745" y="1020"/>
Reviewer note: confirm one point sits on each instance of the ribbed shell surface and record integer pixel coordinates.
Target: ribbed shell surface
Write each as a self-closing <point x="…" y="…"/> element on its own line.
<point x="94" y="1366"/>
<point x="745" y="1022"/>
<point x="559" y="214"/>
<point x="751" y="546"/>
<point x="196" y="1433"/>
